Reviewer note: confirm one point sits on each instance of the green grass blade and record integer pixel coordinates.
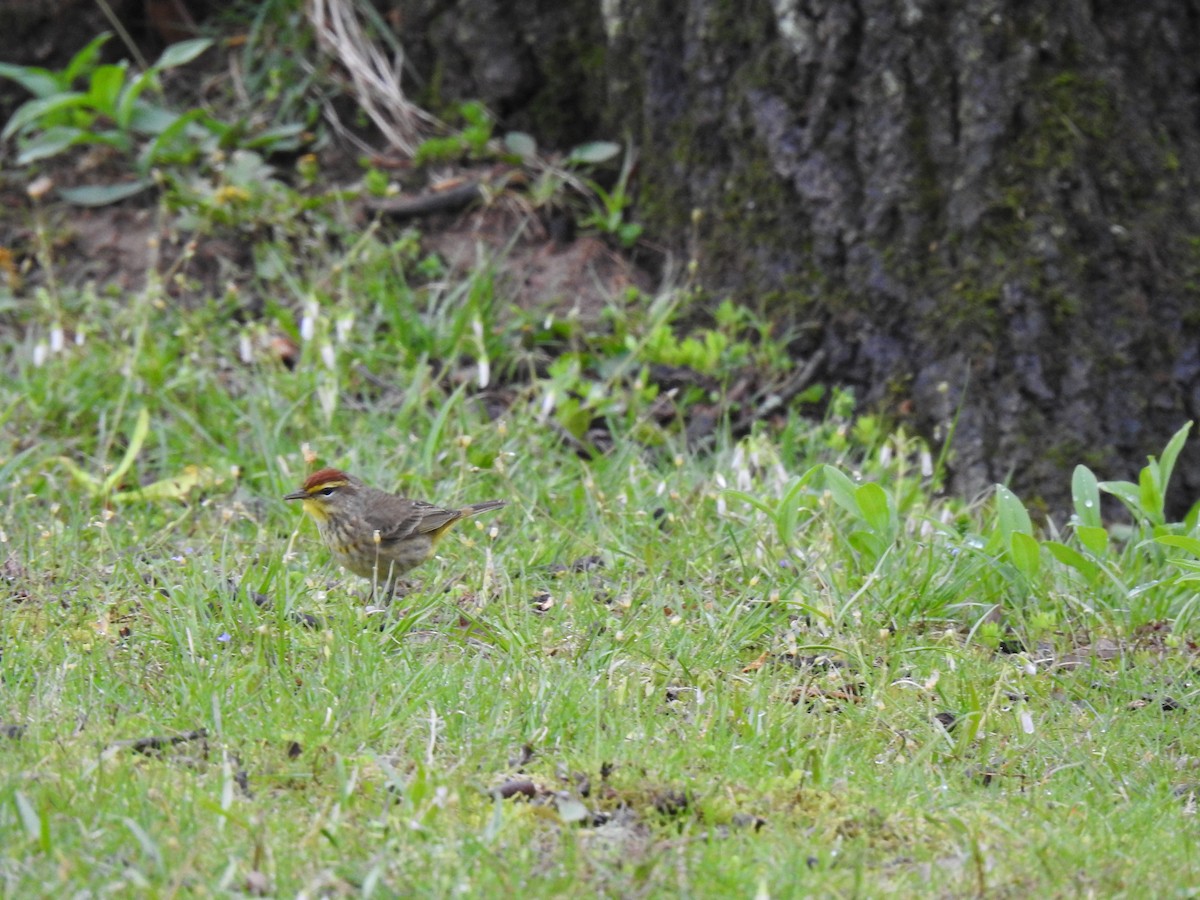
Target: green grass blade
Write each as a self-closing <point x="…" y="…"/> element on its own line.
<point x="141" y="429"/>
<point x="1085" y="494"/>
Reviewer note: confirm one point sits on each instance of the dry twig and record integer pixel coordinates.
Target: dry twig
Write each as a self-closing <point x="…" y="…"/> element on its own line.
<point x="377" y="82"/>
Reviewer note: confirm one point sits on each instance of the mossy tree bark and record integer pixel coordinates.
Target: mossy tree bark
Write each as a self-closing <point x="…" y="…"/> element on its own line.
<point x="984" y="203"/>
<point x="988" y="204"/>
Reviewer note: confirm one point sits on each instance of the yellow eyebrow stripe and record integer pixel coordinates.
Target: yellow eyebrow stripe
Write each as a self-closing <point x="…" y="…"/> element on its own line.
<point x="317" y="488"/>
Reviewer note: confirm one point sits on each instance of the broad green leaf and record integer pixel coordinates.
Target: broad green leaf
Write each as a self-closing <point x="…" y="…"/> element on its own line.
<point x="1094" y="538"/>
<point x="876" y="508"/>
<point x="788" y="511"/>
<point x="181" y="53"/>
<point x="150" y="120"/>
<point x="34" y="110"/>
<point x="593" y="153"/>
<point x="1170" y="454"/>
<point x="1128" y="493"/>
<point x="105" y="88"/>
<point x="141" y="428"/>
<point x="1025" y="554"/>
<point x="128" y="103"/>
<point x="1085" y="493"/>
<point x="1071" y="557"/>
<point x="1183" y="542"/>
<point x="869" y="544"/>
<point x="1192" y="517"/>
<point x="842" y="489"/>
<point x="1150" y="493"/>
<point x="1012" y="515"/>
<point x="51" y="142"/>
<point x="799" y="486"/>
<point x="279" y="138"/>
<point x="104" y="194"/>
<point x="83" y="61"/>
<point x="520" y="144"/>
<point x="163" y="147"/>
<point x="39" y="82"/>
<point x="227" y="133"/>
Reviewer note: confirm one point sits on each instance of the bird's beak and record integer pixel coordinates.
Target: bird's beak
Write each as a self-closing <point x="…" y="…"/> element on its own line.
<point x="296" y="495"/>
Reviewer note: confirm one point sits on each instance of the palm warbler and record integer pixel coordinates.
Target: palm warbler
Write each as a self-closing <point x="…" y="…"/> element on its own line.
<point x="373" y="533"/>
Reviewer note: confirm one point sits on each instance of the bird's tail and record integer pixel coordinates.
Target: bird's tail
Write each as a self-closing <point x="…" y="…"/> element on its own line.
<point x="476" y="508"/>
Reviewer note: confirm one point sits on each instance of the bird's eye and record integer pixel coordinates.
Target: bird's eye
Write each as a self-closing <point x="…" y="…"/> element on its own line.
<point x="326" y="491"/>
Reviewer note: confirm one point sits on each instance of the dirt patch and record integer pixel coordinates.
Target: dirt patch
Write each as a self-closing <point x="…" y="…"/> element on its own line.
<point x="112" y="247"/>
<point x="535" y="270"/>
<point x="116" y="246"/>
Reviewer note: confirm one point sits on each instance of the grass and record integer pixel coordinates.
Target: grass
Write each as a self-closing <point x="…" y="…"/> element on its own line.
<point x="719" y="706"/>
<point x="786" y="666"/>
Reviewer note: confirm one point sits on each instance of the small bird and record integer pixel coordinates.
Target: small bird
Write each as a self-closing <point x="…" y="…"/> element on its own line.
<point x="373" y="533"/>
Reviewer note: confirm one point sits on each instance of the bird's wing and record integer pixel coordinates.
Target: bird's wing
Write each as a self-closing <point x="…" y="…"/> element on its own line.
<point x="415" y="517"/>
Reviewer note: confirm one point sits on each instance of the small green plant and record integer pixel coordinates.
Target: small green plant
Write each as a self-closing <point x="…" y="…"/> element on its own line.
<point x="577" y="400"/>
<point x="608" y="216"/>
<point x="704" y="353"/>
<point x="111" y="110"/>
<point x="1012" y="539"/>
<point x="1146" y="500"/>
<point x="738" y="339"/>
<point x="1112" y="567"/>
<point x="376" y="182"/>
<point x="241" y="189"/>
<point x="551" y="180"/>
<point x="788" y="512"/>
<point x="470" y="142"/>
<point x="873" y="509"/>
<point x="608" y="208"/>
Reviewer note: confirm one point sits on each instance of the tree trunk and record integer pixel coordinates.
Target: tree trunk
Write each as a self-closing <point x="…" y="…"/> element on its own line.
<point x="989" y="206"/>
